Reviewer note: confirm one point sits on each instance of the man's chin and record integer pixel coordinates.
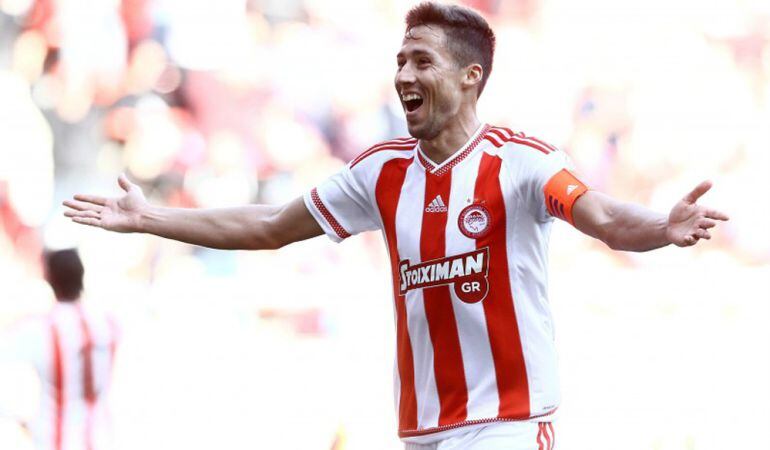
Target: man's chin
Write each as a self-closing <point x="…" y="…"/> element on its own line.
<point x="421" y="131"/>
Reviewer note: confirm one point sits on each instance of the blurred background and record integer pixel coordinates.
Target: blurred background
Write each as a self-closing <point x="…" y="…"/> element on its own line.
<point x="222" y="103"/>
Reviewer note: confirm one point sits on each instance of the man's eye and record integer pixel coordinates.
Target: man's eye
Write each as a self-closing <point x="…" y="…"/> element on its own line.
<point x="424" y="61"/>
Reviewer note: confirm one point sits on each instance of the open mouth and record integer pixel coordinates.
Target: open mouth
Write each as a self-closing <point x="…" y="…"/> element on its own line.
<point x="411" y="101"/>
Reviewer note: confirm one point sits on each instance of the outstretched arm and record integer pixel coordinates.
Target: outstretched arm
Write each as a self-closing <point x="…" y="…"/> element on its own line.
<point x="626" y="226"/>
<point x="250" y="227"/>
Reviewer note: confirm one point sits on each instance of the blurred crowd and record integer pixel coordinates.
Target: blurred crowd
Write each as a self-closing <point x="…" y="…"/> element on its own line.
<point x="214" y="103"/>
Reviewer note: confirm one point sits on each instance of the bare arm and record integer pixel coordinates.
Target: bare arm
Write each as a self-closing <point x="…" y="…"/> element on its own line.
<point x="250" y="227"/>
<point x="631" y="227"/>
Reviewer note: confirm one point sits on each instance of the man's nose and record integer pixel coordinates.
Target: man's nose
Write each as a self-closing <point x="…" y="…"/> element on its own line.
<point x="405" y="76"/>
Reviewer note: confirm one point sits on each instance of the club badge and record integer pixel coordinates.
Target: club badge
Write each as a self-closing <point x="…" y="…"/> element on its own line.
<point x="474" y="221"/>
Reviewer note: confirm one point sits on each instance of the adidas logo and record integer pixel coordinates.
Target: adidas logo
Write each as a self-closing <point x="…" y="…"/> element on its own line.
<point x="436" y="206"/>
<point x="571" y="188"/>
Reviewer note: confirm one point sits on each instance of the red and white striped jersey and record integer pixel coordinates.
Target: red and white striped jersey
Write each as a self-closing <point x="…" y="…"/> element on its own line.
<point x="468" y="242"/>
<point x="72" y="350"/>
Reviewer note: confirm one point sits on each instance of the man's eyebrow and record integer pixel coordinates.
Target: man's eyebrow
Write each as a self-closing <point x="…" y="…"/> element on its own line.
<point x="415" y="52"/>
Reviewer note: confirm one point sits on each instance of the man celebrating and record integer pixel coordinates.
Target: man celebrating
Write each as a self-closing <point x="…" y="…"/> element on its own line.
<point x="466" y="210"/>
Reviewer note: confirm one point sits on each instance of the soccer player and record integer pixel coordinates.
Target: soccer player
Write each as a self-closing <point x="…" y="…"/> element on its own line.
<point x="466" y="210"/>
<point x="72" y="350"/>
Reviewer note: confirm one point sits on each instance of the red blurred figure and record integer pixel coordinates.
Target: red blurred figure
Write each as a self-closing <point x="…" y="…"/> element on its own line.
<point x="72" y="349"/>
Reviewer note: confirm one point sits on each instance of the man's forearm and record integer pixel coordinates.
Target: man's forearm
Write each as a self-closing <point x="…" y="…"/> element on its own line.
<point x="620" y="225"/>
<point x="635" y="228"/>
<point x="243" y="227"/>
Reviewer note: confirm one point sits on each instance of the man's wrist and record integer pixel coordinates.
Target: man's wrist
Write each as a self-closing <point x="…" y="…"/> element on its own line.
<point x="145" y="219"/>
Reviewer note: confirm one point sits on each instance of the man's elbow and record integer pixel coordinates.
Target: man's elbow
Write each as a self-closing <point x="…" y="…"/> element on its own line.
<point x="268" y="235"/>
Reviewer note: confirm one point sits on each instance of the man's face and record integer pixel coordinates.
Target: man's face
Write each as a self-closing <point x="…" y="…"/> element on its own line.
<point x="428" y="81"/>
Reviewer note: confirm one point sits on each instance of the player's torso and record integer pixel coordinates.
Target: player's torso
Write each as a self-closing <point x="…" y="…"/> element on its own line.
<point x="460" y="236"/>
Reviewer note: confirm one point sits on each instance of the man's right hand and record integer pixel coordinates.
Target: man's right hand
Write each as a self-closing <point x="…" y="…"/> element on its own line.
<point x="121" y="214"/>
<point x="247" y="227"/>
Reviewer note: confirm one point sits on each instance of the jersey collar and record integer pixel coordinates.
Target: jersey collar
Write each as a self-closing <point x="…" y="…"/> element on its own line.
<point x="456" y="158"/>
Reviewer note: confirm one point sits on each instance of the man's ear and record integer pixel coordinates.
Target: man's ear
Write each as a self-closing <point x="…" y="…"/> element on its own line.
<point x="473" y="75"/>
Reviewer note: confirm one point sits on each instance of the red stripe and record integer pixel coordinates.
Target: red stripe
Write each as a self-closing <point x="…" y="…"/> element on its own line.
<point x="549" y="444"/>
<point x="509" y="136"/>
<point x="341" y="232"/>
<point x="113" y="340"/>
<point x="553" y="435"/>
<point x="540" y="436"/>
<point x="493" y="140"/>
<point x="504" y="339"/>
<point x="447" y="355"/>
<point x="531" y="144"/>
<point x="549" y="146"/>
<point x="521" y="135"/>
<point x="88" y="368"/>
<point x="58" y="384"/>
<point x="497" y="132"/>
<point x="387" y="193"/>
<point x="396" y="144"/>
<point x="89" y="391"/>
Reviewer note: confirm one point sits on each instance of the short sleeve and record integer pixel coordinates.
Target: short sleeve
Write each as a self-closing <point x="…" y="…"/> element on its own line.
<point x="553" y="187"/>
<point x="341" y="205"/>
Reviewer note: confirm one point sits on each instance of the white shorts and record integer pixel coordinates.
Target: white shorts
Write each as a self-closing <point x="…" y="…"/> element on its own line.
<point x="498" y="436"/>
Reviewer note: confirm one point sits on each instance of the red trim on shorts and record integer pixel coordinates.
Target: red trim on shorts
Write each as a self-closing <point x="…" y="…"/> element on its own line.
<point x="540" y="436"/>
<point x="499" y="311"/>
<point x="388" y="193"/>
<point x="448" y="366"/>
<point x="547" y="434"/>
<point x="553" y="434"/>
<point x="414" y="433"/>
<point x="341" y="232"/>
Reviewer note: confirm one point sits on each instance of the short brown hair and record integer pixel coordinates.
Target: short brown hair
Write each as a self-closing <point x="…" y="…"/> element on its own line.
<point x="64" y="272"/>
<point x="470" y="39"/>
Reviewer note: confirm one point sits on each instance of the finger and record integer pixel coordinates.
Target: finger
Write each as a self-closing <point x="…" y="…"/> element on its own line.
<point x="689" y="240"/>
<point x="696" y="193"/>
<point x="83" y="214"/>
<point x="124" y="183"/>
<point x="714" y="214"/>
<point x="86" y="221"/>
<point x="702" y="234"/>
<point x="96" y="200"/>
<point x="80" y="206"/>
<point x="707" y="223"/>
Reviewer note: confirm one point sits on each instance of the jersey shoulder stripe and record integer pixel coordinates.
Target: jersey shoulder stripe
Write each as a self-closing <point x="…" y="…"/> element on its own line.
<point x="402" y="144"/>
<point x="499" y="136"/>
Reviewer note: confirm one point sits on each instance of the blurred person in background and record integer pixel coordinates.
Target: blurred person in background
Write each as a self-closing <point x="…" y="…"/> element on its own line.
<point x="466" y="210"/>
<point x="72" y="350"/>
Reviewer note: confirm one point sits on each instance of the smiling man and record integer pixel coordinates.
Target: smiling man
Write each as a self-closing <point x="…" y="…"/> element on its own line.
<point x="466" y="211"/>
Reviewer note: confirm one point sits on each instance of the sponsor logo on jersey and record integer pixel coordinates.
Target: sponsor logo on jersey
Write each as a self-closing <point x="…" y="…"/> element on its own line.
<point x="466" y="272"/>
<point x="474" y="221"/>
<point x="436" y="205"/>
<point x="571" y="188"/>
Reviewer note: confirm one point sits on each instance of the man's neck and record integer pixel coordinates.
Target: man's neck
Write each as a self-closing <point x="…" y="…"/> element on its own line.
<point x="451" y="138"/>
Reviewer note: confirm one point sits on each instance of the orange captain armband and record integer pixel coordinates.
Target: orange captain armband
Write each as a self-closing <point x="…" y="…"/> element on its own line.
<point x="561" y="192"/>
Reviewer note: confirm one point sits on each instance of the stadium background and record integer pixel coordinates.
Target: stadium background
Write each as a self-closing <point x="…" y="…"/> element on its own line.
<point x="221" y="103"/>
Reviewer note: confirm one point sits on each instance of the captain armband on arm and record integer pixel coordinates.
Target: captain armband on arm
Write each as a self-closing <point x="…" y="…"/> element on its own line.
<point x="561" y="192"/>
